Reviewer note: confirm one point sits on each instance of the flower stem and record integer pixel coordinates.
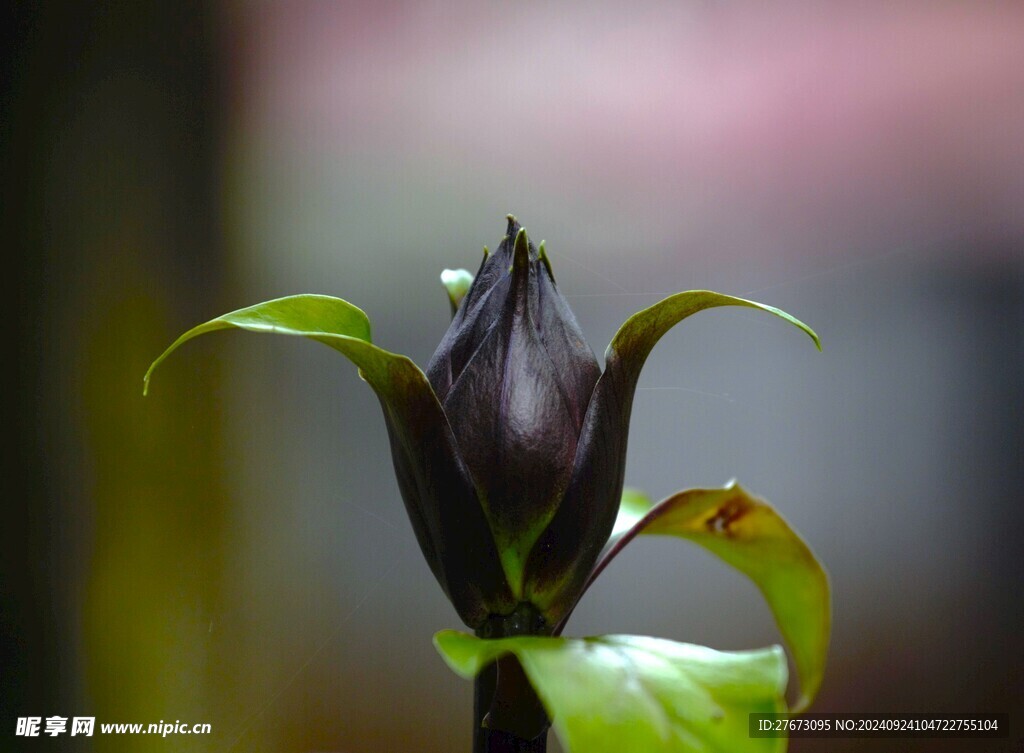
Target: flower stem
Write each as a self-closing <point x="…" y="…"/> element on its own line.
<point x="483" y="692"/>
<point x="494" y="740"/>
<point x="508" y="717"/>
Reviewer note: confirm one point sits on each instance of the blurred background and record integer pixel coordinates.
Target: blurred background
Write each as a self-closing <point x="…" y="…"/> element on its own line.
<point x="232" y="549"/>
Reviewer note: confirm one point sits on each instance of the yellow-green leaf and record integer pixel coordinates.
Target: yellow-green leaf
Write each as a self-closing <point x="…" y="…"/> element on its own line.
<point x="632" y="508"/>
<point x="747" y="533"/>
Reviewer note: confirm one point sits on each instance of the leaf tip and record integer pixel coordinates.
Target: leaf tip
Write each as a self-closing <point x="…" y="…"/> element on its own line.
<point x="148" y="376"/>
<point x="807" y="330"/>
<point x="446" y="642"/>
<point x="801" y="705"/>
<point x="443" y="639"/>
<point x="437" y="639"/>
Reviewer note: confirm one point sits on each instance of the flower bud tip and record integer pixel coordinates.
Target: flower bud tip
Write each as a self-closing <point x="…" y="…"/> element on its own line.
<point x="513" y="227"/>
<point x="456" y="282"/>
<point x="542" y="252"/>
<point x="521" y="252"/>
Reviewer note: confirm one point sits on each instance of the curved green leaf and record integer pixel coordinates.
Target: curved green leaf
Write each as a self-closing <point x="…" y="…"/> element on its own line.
<point x="332" y="321"/>
<point x="632" y="508"/>
<point x="558" y="572"/>
<point x="426" y="460"/>
<point x="639" y="334"/>
<point x="623" y="692"/>
<point x="747" y="533"/>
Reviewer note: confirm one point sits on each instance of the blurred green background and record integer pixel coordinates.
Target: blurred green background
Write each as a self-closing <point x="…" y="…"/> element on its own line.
<point x="232" y="549"/>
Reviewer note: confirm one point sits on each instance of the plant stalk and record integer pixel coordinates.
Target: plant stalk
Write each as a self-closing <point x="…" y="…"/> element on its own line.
<point x="494" y="740"/>
<point x="508" y="717"/>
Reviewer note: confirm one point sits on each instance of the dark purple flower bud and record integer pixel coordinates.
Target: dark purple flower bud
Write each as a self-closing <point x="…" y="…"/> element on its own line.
<point x="515" y="376"/>
<point x="540" y="432"/>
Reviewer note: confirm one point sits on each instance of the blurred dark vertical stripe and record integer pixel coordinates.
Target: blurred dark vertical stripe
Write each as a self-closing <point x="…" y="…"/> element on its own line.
<point x="23" y="583"/>
<point x="111" y="132"/>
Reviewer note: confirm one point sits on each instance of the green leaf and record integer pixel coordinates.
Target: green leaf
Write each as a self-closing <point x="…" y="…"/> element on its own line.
<point x="332" y="321"/>
<point x="747" y="533"/>
<point x="630" y="693"/>
<point x="558" y="573"/>
<point x="427" y="463"/>
<point x="639" y="334"/>
<point x="632" y="508"/>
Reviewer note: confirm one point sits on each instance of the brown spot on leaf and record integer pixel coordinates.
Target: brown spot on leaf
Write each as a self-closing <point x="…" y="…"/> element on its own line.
<point x="721" y="522"/>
